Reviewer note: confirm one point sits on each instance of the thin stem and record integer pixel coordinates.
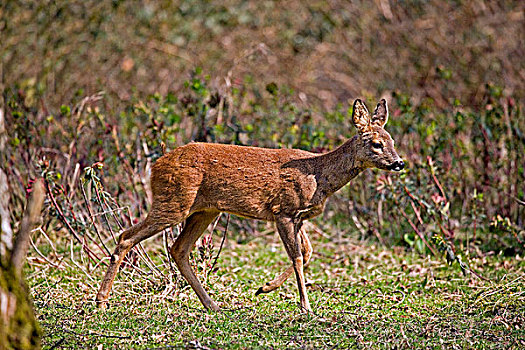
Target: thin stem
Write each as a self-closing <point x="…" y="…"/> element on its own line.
<point x="222" y="243"/>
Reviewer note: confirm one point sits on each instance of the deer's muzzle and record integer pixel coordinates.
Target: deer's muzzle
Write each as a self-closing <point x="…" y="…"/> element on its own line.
<point x="398" y="165"/>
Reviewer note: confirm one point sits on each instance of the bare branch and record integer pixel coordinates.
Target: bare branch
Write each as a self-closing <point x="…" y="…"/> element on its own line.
<point x="31" y="215"/>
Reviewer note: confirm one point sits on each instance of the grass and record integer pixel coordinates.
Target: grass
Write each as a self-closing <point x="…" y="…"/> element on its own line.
<point x="362" y="296"/>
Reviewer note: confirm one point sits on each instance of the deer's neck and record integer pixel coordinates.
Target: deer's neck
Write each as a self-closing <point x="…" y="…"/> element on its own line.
<point x="338" y="167"/>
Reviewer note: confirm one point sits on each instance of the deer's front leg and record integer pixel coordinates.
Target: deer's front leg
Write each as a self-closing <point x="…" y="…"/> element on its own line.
<point x="306" y="250"/>
<point x="289" y="232"/>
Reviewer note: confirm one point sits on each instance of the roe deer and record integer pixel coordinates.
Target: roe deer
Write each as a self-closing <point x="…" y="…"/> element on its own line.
<point x="197" y="181"/>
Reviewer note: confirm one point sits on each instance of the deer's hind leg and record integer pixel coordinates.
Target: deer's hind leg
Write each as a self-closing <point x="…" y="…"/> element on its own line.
<point x="180" y="251"/>
<point x="306" y="250"/>
<point x="127" y="240"/>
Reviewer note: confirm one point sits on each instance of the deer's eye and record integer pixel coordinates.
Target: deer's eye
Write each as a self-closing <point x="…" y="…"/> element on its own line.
<point x="377" y="145"/>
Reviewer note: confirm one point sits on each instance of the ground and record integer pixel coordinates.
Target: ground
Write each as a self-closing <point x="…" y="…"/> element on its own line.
<point x="362" y="296"/>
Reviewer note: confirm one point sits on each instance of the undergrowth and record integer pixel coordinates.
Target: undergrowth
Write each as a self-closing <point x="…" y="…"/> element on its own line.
<point x="448" y="273"/>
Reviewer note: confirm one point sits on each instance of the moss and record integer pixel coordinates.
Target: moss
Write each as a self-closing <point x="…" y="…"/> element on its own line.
<point x="21" y="331"/>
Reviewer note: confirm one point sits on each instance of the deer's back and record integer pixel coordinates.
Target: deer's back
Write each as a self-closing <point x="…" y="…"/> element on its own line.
<point x="236" y="179"/>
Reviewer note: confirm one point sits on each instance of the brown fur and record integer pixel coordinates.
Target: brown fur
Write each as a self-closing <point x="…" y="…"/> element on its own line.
<point x="195" y="182"/>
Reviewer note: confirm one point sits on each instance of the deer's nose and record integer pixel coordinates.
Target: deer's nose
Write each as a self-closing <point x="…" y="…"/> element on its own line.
<point x="398" y="165"/>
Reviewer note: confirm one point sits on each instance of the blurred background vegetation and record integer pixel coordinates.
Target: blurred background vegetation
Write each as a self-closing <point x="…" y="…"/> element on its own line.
<point x="92" y="90"/>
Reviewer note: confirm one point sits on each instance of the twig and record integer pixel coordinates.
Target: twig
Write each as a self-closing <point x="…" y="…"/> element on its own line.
<point x="418" y="216"/>
<point x="97" y="334"/>
<point x="38" y="295"/>
<point x="316" y="229"/>
<point x="418" y="232"/>
<point x="77" y="264"/>
<point x="112" y="212"/>
<point x="222" y="243"/>
<point x="356" y="221"/>
<point x="119" y="209"/>
<point x="466" y="267"/>
<point x="58" y="343"/>
<point x="414" y="227"/>
<point x="147" y="260"/>
<point x="166" y="248"/>
<point x="99" y="199"/>
<point x="89" y="252"/>
<point x="92" y="217"/>
<point x="414" y="199"/>
<point x="402" y="299"/>
<point x="436" y="181"/>
<point x="519" y="201"/>
<point x="47" y="239"/>
<point x="43" y="256"/>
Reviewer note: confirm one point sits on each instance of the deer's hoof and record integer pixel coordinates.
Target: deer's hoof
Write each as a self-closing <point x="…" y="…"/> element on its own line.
<point x="213" y="307"/>
<point x="264" y="289"/>
<point x="102" y="304"/>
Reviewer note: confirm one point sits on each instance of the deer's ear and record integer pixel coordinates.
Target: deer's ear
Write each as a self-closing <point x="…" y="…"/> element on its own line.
<point x="380" y="116"/>
<point x="361" y="116"/>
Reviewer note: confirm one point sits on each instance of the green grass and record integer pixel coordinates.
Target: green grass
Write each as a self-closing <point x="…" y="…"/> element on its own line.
<point x="362" y="296"/>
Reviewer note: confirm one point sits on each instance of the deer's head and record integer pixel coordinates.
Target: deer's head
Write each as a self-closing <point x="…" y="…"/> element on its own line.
<point x="376" y="146"/>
